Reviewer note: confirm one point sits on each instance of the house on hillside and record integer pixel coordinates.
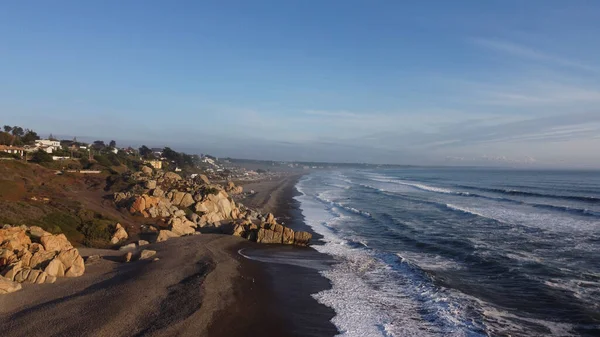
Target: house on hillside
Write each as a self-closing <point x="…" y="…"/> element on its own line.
<point x="47" y="145"/>
<point x="157" y="151"/>
<point x="12" y="149"/>
<point x="157" y="164"/>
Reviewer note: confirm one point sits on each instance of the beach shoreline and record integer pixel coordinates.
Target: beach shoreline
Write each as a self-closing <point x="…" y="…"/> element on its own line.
<point x="278" y="281"/>
<point x="200" y="285"/>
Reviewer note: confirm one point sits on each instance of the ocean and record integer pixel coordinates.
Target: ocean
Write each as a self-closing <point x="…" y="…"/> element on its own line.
<point x="458" y="252"/>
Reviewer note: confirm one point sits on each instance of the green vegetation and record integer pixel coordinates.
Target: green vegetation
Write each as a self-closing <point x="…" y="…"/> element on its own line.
<point x="41" y="157"/>
<point x="17" y="136"/>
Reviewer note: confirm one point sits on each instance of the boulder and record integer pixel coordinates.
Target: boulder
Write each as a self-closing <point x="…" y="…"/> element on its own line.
<point x="127" y="257"/>
<point x="55" y="268"/>
<point x="146" y="254"/>
<point x="302" y="238"/>
<point x="7" y="257"/>
<point x="172" y="176"/>
<point x="119" y="234"/>
<point x="142" y="243"/>
<point x="55" y="243"/>
<point x="269" y="236"/>
<point x="11" y="270"/>
<point x="164" y="235"/>
<point x="40" y="258"/>
<point x="232" y="189"/>
<point x="14" y="238"/>
<point x="130" y="246"/>
<point x="204" y="179"/>
<point x="158" y="192"/>
<point x="8" y="286"/>
<point x="147" y="170"/>
<point x="187" y="201"/>
<point x="37" y="232"/>
<point x="151" y="184"/>
<point x="138" y="205"/>
<point x="182" y="226"/>
<point x="74" y="265"/>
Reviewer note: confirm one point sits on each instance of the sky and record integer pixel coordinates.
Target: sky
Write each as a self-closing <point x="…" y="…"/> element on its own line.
<point x="493" y="83"/>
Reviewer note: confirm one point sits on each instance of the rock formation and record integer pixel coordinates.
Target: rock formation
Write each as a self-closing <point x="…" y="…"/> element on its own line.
<point x="23" y="260"/>
<point x="191" y="206"/>
<point x="120" y="234"/>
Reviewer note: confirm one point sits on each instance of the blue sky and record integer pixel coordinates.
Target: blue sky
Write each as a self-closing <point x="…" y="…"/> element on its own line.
<point x="512" y="83"/>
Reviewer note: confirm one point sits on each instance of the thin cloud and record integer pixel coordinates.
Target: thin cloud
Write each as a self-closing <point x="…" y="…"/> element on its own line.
<point x="532" y="54"/>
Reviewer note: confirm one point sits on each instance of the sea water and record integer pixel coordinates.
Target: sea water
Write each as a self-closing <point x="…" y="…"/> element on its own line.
<point x="458" y="252"/>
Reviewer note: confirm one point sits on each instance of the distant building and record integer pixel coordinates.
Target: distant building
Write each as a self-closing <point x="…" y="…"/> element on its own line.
<point x="12" y="150"/>
<point x="47" y="145"/>
<point x="157" y="164"/>
<point x="157" y="151"/>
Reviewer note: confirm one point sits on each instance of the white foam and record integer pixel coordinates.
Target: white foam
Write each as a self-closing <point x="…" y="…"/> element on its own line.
<point x="370" y="297"/>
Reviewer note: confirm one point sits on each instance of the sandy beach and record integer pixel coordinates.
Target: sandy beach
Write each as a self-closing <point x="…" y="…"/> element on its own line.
<point x="199" y="286"/>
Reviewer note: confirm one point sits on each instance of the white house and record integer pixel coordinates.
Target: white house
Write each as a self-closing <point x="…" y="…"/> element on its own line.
<point x="47" y="145"/>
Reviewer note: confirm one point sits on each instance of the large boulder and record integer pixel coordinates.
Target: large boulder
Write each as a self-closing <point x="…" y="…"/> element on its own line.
<point x="172" y="176"/>
<point x="216" y="207"/>
<point x="74" y="265"/>
<point x="55" y="268"/>
<point x="41" y="258"/>
<point x="120" y="234"/>
<point x="147" y="170"/>
<point x="182" y="199"/>
<point x="302" y="238"/>
<point x="55" y="243"/>
<point x="164" y="235"/>
<point x="37" y="232"/>
<point x="182" y="226"/>
<point x="8" y="286"/>
<point x="14" y="238"/>
<point x="269" y="236"/>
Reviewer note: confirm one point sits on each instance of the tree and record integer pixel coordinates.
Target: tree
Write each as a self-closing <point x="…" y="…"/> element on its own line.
<point x="17" y="131"/>
<point x="30" y="137"/>
<point x="41" y="157"/>
<point x="7" y="128"/>
<point x="98" y="145"/>
<point x="112" y="144"/>
<point x="145" y="152"/>
<point x="51" y="137"/>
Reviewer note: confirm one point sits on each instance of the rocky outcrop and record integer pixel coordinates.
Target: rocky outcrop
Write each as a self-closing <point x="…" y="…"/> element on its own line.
<point x="119" y="234"/>
<point x="42" y="261"/>
<point x="232" y="189"/>
<point x="168" y="196"/>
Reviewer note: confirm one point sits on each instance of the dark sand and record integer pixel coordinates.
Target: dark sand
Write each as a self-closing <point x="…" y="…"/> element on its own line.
<point x="200" y="286"/>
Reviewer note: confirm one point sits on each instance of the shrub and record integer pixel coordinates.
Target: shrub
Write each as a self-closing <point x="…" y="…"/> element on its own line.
<point x="41" y="157"/>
